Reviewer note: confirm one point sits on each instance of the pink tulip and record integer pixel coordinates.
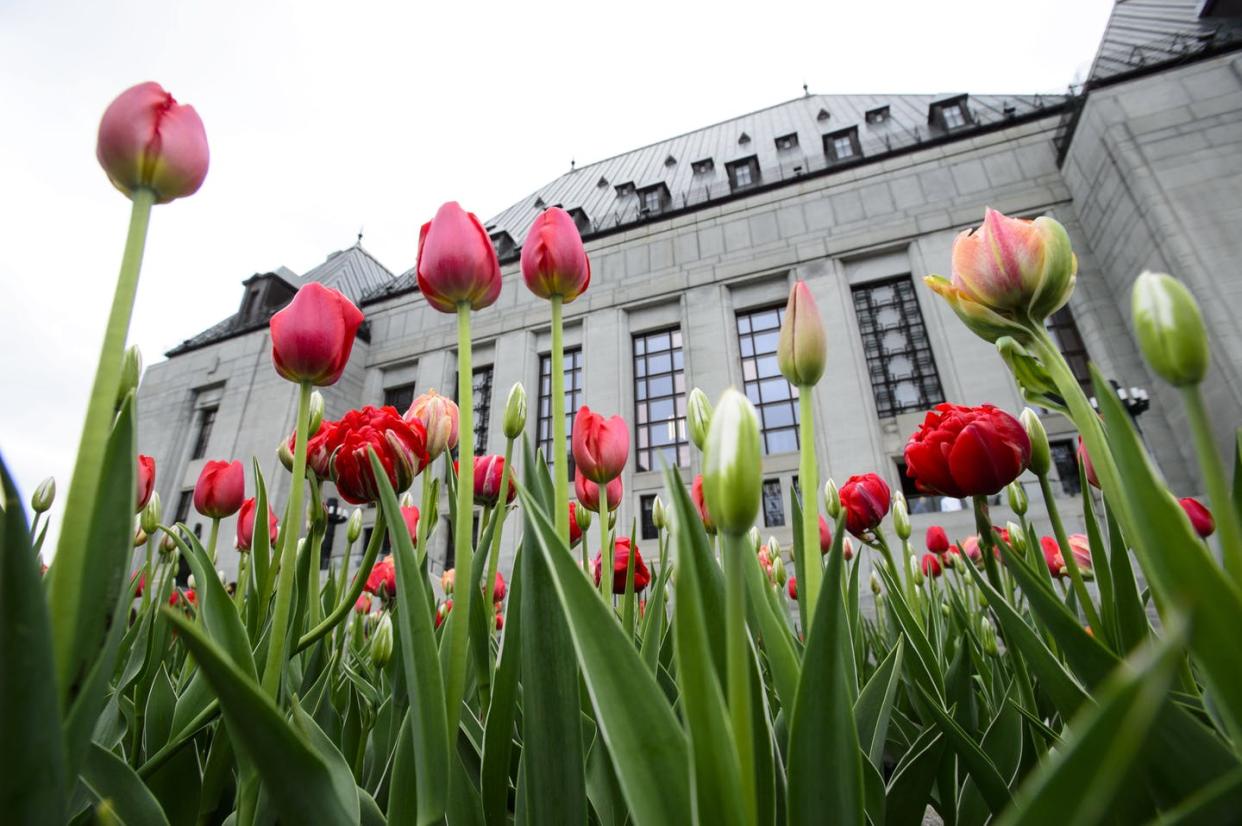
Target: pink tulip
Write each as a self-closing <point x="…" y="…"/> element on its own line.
<point x="409" y="515"/>
<point x="588" y="492"/>
<point x="220" y="490"/>
<point x="1200" y="517"/>
<point x="937" y="540"/>
<point x="149" y="141"/>
<point x="601" y="446"/>
<point x="313" y="336"/>
<point x="1011" y="263"/>
<point x="456" y="261"/>
<point x="553" y="260"/>
<point x="696" y="495"/>
<point x="1088" y="468"/>
<point x="146" y="480"/>
<point x="439" y="414"/>
<point x="245" y="525"/>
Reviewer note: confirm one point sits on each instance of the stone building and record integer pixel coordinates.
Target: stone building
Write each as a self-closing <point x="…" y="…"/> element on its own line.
<point x="695" y="240"/>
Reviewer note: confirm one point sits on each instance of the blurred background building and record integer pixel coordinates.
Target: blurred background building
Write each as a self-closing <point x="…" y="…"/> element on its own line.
<point x="695" y="241"/>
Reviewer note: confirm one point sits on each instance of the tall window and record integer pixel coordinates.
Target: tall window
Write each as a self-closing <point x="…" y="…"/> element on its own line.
<point x="400" y="397"/>
<point x="1065" y="333"/>
<point x="773" y="504"/>
<point x="573" y="400"/>
<point x="646" y="506"/>
<point x="899" y="356"/>
<point x="206" y="421"/>
<point x="660" y="400"/>
<point x="481" y="381"/>
<point x="183" y="506"/>
<point x="1065" y="457"/>
<point x="774" y="397"/>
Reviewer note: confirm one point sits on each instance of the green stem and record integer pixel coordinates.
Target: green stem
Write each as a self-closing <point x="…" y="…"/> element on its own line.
<point x="1217" y="486"/>
<point x="987" y="542"/>
<point x="423" y="515"/>
<point x="1067" y="553"/>
<point x="808" y="478"/>
<point x="493" y="556"/>
<point x="148" y="581"/>
<point x="355" y="589"/>
<point x="459" y="626"/>
<point x="212" y="537"/>
<point x="560" y="455"/>
<point x="605" y="548"/>
<point x="243" y="578"/>
<point x="67" y="583"/>
<point x="737" y="668"/>
<point x="288" y="553"/>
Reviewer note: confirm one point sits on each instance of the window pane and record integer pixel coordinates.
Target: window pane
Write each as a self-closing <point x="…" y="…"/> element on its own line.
<point x="762" y="380"/>
<point x="659" y="393"/>
<point x="898" y="353"/>
<point x="773" y="505"/>
<point x="573" y="400"/>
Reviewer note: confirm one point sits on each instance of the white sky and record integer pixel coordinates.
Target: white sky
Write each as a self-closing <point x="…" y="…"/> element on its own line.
<point x="327" y="117"/>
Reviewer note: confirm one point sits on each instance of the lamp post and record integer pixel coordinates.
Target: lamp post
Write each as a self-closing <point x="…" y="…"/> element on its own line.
<point x="1136" y="400"/>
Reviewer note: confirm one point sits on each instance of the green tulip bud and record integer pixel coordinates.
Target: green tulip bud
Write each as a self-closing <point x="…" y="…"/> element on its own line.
<point x="168" y="545"/>
<point x="875" y="583"/>
<point x="149" y="518"/>
<point x="1170" y="329"/>
<point x="802" y="349"/>
<point x="916" y="570"/>
<point x="353" y="528"/>
<point x="901" y="516"/>
<point x="406" y="500"/>
<point x="140" y="538"/>
<point x="944" y="610"/>
<point x="1017" y="497"/>
<point x="987" y="636"/>
<point x="1041" y="454"/>
<point x="774" y="547"/>
<point x="752" y="536"/>
<point x="612" y="520"/>
<point x="316" y="412"/>
<point x="832" y="500"/>
<point x="44" y="495"/>
<point x="778" y="570"/>
<point x="381" y="641"/>
<point x="659" y="516"/>
<point x="732" y="465"/>
<point x="1017" y="537"/>
<point x="285" y="455"/>
<point x="515" y="411"/>
<point x="583" y="517"/>
<point x="698" y="417"/>
<point x="131" y="373"/>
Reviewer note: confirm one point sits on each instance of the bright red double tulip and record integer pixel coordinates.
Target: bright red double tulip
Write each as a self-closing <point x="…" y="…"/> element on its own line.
<point x="967" y="451"/>
<point x="457" y="263"/>
<point x="146" y="480"/>
<point x="937" y="540"/>
<point x="601" y="446"/>
<point x="319" y="448"/>
<point x="220" y="490"/>
<point x="401" y="447"/>
<point x="621" y="548"/>
<point x="313" y="337"/>
<point x="696" y="496"/>
<point x="553" y="260"/>
<point x="382" y="581"/>
<point x="588" y="492"/>
<point x="1200" y="517"/>
<point x="487" y="473"/>
<point x="866" y="499"/>
<point x="245" y="525"/>
<point x="149" y="141"/>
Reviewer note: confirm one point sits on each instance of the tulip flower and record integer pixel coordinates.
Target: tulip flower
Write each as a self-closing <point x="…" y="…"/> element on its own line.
<point x="488" y="471"/>
<point x="353" y="527"/>
<point x="313" y="336"/>
<point x="515" y="411"/>
<point x="448" y="581"/>
<point x="362" y="605"/>
<point x="188" y="597"/>
<point x="825" y="536"/>
<point x="1012" y="264"/>
<point x="698" y="417"/>
<point x="696" y="495"/>
<point x="1200" y="517"/>
<point x="1055" y="560"/>
<point x="401" y="447"/>
<point x="601" y="446"/>
<point x="832" y="499"/>
<point x="802" y="349"/>
<point x="620" y="564"/>
<point x="245" y="525"/>
<point x="1088" y="468"/>
<point x="791" y="585"/>
<point x="930" y="565"/>
<point x="498" y="588"/>
<point x="732" y="465"/>
<point x="149" y="141"/>
<point x="456" y="261"/>
<point x="220" y="490"/>
<point x="575" y="529"/>
<point x="1169" y="329"/>
<point x="149" y="517"/>
<point x="146" y="481"/>
<point x="443" y="611"/>
<point x="967" y="451"/>
<point x="553" y="260"/>
<point x="866" y="500"/>
<point x="44" y="495"/>
<point x="439" y="415"/>
<point x="382" y="642"/>
<point x="588" y="492"/>
<point x="901" y="517"/>
<point x="409" y="515"/>
<point x="937" y="540"/>
<point x="382" y="581"/>
<point x="500" y="618"/>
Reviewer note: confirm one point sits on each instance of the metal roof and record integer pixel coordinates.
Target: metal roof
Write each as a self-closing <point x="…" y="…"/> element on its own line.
<point x="1143" y="34"/>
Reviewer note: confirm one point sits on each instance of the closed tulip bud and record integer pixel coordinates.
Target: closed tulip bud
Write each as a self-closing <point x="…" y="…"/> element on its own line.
<point x="515" y="411"/>
<point x="439" y="416"/>
<point x="381" y="641"/>
<point x="1017" y="497"/>
<point x="220" y="490"/>
<point x="140" y="538"/>
<point x="44" y="495"/>
<point x="901" y="516"/>
<point x="448" y="581"/>
<point x="353" y="528"/>
<point x="582" y="516"/>
<point x="945" y="611"/>
<point x="916" y="570"/>
<point x="778" y="570"/>
<point x="1040" y="462"/>
<point x="313" y="336"/>
<point x="732" y="465"/>
<point x="1017" y="538"/>
<point x="316" y="412"/>
<point x="698" y="417"/>
<point x="168" y="545"/>
<point x="131" y="373"/>
<point x="752" y="536"/>
<point x="802" y="349"/>
<point x="987" y="636"/>
<point x="149" y="517"/>
<point x="406" y="500"/>
<point x="457" y="263"/>
<point x="875" y="583"/>
<point x="612" y="520"/>
<point x="553" y="260"/>
<point x="659" y="517"/>
<point x="832" y="500"/>
<point x="1200" y="517"/>
<point x="285" y="454"/>
<point x="1170" y="329"/>
<point x="600" y="446"/>
<point x="774" y="547"/>
<point x="149" y="141"/>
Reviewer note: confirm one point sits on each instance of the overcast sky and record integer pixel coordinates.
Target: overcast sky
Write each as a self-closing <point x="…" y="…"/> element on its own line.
<point x="324" y="118"/>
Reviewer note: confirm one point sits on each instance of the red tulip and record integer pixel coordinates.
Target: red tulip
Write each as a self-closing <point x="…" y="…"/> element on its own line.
<point x="142" y="581"/>
<point x="319" y="448"/>
<point x="791" y="585"/>
<point x="500" y="619"/>
<point x="553" y="260"/>
<point x="1055" y="560"/>
<point x="149" y="141"/>
<point x="970" y="547"/>
<point x="620" y="564"/>
<point x="1080" y="546"/>
<point x="409" y="514"/>
<point x="601" y="446"/>
<point x="401" y="447"/>
<point x="575" y="532"/>
<point x="382" y="581"/>
<point x="825" y="536"/>
<point x="188" y="596"/>
<point x="443" y="611"/>
<point x="498" y="588"/>
<point x="146" y="480"/>
<point x="588" y="492"/>
<point x="363" y="604"/>
<point x="245" y="525"/>
<point x="313" y="336"/>
<point x="487" y="473"/>
<point x="1200" y="517"/>
<point x="439" y="415"/>
<point x="1053" y="557"/>
<point x="967" y="451"/>
<point x="696" y="495"/>
<point x="1088" y="468"/>
<point x="937" y="540"/>
<point x="931" y="565"/>
<point x="220" y="490"/>
<point x="456" y="261"/>
<point x="866" y="499"/>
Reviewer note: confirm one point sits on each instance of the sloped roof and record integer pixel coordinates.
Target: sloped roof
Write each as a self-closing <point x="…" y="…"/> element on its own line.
<point x="1142" y="34"/>
<point x="353" y="271"/>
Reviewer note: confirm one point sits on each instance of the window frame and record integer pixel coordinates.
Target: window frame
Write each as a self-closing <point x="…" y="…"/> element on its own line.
<point x="775" y="518"/>
<point x="744" y="321"/>
<point x="206" y="424"/>
<point x="405" y="387"/>
<point x="646" y="505"/>
<point x="574" y="376"/>
<point x="645" y="451"/>
<point x="919" y="349"/>
<point x="785" y="143"/>
<point x="830" y="145"/>
<point x="751" y="165"/>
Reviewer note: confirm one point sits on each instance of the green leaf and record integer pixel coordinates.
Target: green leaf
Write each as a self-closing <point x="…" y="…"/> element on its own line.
<point x="158" y="719"/>
<point x="911" y="783"/>
<point x="1216" y="803"/>
<point x="215" y="606"/>
<point x="498" y="732"/>
<point x="403" y="796"/>
<point x="647" y="745"/>
<point x="342" y="775"/>
<point x="774" y="631"/>
<point x="260" y="560"/>
<point x="420" y="659"/>
<point x="1133" y="627"/>
<point x="822" y="731"/>
<point x="32" y="786"/>
<point x="299" y="782"/>
<point x="874" y="705"/>
<point x="987" y="777"/>
<point x="1105" y="741"/>
<point x="109" y="778"/>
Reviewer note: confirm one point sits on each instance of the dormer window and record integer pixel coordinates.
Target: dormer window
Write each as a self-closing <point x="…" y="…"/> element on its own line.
<point x="703" y="167"/>
<point x="842" y="145"/>
<point x="503" y="242"/>
<point x="539" y="204"/>
<point x="953" y="116"/>
<point x="670" y="161"/>
<point x="602" y="182"/>
<point x="581" y="220"/>
<point x="743" y="173"/>
<point x="787" y="142"/>
<point x="625" y="189"/>
<point x="877" y="115"/>
<point x="653" y="200"/>
<point x="265" y="294"/>
<point x="949" y="114"/>
<point x="743" y="139"/>
<point x="823" y="115"/>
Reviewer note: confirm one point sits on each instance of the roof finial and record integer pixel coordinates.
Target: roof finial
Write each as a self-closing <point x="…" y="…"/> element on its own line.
<point x="358" y="243"/>
<point x="806" y="92"/>
<point x="572" y="164"/>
